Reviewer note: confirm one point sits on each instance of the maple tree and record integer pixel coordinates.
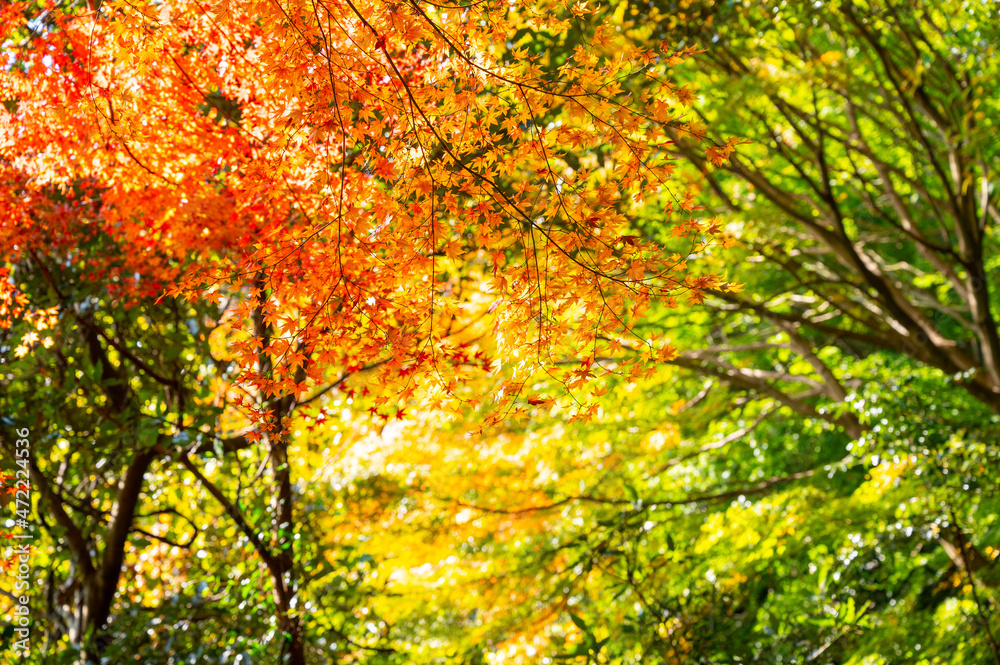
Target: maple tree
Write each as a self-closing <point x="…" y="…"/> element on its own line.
<point x="217" y="219"/>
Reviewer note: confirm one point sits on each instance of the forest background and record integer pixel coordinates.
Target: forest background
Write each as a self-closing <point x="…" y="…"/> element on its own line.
<point x="416" y="332"/>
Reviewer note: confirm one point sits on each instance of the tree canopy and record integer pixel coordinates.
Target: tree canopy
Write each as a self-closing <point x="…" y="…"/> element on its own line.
<point x="406" y="332"/>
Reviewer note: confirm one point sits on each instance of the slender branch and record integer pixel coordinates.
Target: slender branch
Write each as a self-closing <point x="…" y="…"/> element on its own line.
<point x="235" y="513"/>
<point x="760" y="488"/>
<point x="715" y="445"/>
<point x="78" y="543"/>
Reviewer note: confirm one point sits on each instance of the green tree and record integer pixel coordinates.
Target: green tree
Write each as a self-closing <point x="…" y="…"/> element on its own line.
<point x="861" y="361"/>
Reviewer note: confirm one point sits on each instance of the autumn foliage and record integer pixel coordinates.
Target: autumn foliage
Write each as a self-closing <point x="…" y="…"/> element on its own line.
<point x="367" y="177"/>
<point x="402" y="332"/>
